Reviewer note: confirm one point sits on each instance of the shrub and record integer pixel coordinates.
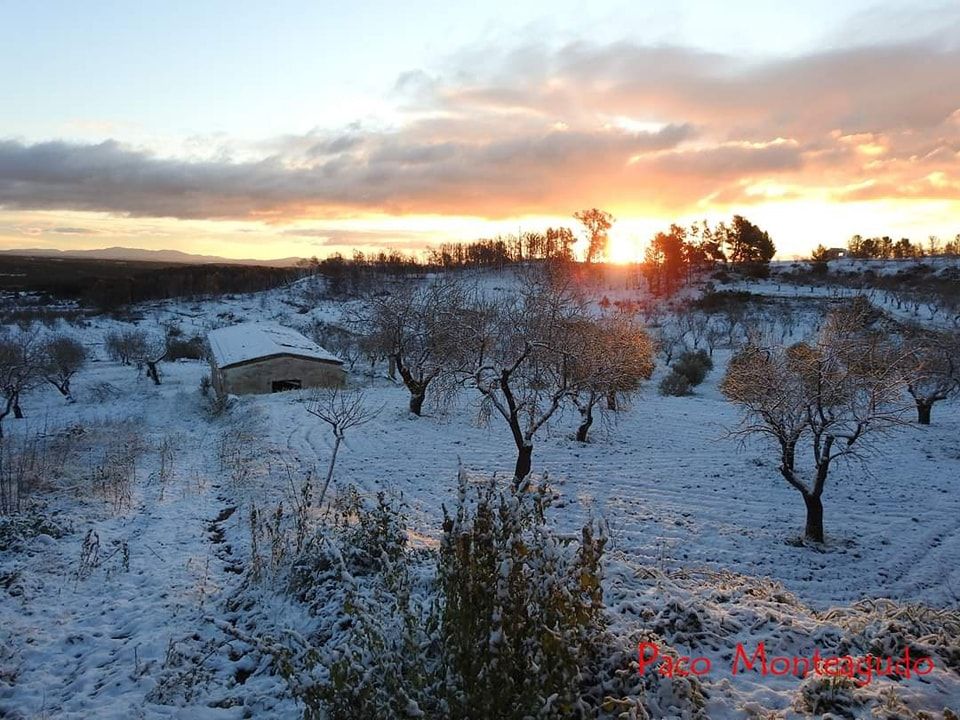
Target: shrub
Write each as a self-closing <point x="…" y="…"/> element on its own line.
<point x="517" y="596"/>
<point x="694" y="366"/>
<point x="713" y="301"/>
<point x="675" y="385"/>
<point x="755" y="271"/>
<point x="831" y="695"/>
<point x="24" y="467"/>
<point x="16" y="529"/>
<point x="505" y="620"/>
<point x="178" y="348"/>
<point x="375" y="654"/>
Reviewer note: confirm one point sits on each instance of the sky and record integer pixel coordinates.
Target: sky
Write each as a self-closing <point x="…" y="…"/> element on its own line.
<point x="298" y="128"/>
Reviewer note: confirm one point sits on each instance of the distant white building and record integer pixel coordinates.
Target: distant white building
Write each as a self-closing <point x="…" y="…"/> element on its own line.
<point x="268" y="357"/>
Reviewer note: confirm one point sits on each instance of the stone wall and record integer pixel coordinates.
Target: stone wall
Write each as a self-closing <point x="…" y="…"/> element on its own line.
<point x="259" y="376"/>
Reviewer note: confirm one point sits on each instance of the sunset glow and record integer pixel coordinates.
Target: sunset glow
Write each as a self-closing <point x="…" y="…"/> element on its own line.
<point x="268" y="136"/>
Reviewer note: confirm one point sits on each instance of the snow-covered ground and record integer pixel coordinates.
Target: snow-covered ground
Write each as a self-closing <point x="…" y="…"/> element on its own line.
<point x="88" y="631"/>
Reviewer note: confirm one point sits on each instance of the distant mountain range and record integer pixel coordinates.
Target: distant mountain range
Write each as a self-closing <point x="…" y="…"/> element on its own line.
<point x="138" y="255"/>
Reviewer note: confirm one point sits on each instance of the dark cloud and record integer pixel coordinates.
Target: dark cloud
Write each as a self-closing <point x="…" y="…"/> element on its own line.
<point x="547" y="130"/>
<point x="72" y="231"/>
<point x="396" y="172"/>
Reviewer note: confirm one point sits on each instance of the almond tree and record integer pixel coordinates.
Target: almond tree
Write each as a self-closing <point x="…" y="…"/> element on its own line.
<point x="518" y="354"/>
<point x="63" y="357"/>
<point x="612" y="356"/>
<point x="20" y="362"/>
<point x="125" y="346"/>
<point x="412" y="327"/>
<point x="931" y="364"/>
<point x="148" y="355"/>
<point x="669" y="340"/>
<point x="693" y="325"/>
<point x="823" y="401"/>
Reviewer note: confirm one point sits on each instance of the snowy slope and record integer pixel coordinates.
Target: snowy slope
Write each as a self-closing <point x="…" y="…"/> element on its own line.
<point x="689" y="510"/>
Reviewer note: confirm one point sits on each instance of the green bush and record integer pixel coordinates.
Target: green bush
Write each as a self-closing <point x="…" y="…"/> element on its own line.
<point x="374" y="654"/>
<point x="178" y="348"/>
<point x="675" y="385"/>
<point x="505" y="620"/>
<point x="518" y="596"/>
<point x="694" y="366"/>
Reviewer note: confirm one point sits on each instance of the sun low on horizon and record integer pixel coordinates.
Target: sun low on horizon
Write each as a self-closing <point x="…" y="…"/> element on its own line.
<point x="305" y="130"/>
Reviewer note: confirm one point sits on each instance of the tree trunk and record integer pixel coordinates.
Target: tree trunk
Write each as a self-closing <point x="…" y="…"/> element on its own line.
<point x="814" y="528"/>
<point x="612" y="401"/>
<point x="333" y="463"/>
<point x="923" y="412"/>
<point x="4" y="413"/>
<point x="152" y="372"/>
<point x="524" y="462"/>
<point x="416" y="403"/>
<point x="586" y="420"/>
<point x="17" y="412"/>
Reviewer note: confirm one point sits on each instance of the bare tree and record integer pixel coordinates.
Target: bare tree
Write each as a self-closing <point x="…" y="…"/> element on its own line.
<point x="147" y="353"/>
<point x="931" y="365"/>
<point x="63" y="357"/>
<point x="714" y="335"/>
<point x="125" y="346"/>
<point x="517" y="354"/>
<point x="20" y="362"/>
<point x="693" y="325"/>
<point x="597" y="223"/>
<point x="731" y="322"/>
<point x="669" y="340"/>
<point x="341" y="410"/>
<point x="829" y="397"/>
<point x="610" y="357"/>
<point x="413" y="327"/>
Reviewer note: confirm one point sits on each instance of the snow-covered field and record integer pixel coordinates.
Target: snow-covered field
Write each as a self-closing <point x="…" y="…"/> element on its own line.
<point x="96" y="610"/>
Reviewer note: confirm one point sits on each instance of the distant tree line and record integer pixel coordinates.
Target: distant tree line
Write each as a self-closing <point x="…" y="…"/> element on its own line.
<point x="363" y="273"/>
<point x="551" y="244"/>
<point x="886" y="248"/>
<point x="184" y="281"/>
<point x="670" y="258"/>
<point x="108" y="285"/>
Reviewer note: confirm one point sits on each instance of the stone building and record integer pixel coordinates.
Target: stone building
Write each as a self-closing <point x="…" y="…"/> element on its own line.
<point x="267" y="357"/>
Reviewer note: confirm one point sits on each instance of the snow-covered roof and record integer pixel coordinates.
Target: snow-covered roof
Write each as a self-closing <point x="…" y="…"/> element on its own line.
<point x="247" y="342"/>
